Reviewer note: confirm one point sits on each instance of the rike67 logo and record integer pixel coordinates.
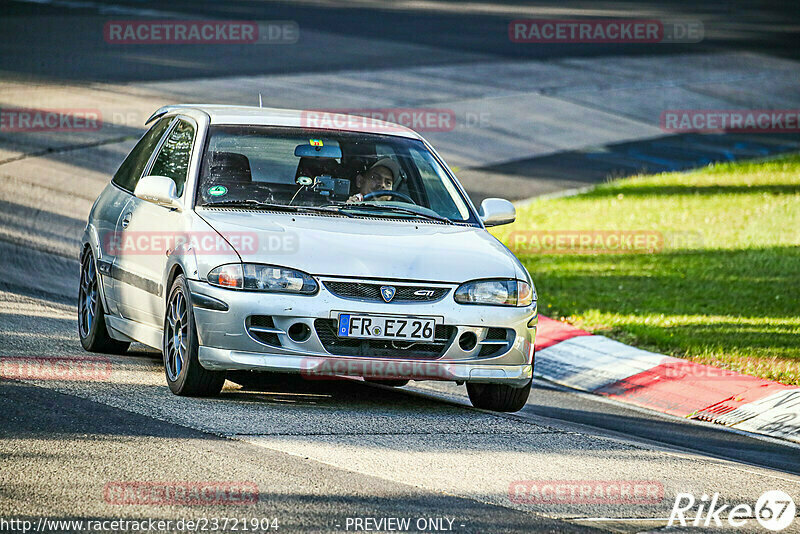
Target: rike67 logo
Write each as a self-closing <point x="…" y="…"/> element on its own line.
<point x="774" y="511"/>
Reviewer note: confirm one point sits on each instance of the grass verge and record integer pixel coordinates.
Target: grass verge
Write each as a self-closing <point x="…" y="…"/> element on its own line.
<point x="714" y="276"/>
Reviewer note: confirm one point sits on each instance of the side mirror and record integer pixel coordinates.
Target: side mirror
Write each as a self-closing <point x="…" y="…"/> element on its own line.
<point x="159" y="190"/>
<point x="497" y="211"/>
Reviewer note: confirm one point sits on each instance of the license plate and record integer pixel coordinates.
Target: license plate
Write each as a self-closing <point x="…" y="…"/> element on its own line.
<point x="380" y="327"/>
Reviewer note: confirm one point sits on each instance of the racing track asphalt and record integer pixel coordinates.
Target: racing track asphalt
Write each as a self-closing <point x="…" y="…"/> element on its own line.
<point x="447" y="30"/>
<point x="529" y="119"/>
<point x="60" y="451"/>
<point x="318" y="452"/>
<point x="321" y="451"/>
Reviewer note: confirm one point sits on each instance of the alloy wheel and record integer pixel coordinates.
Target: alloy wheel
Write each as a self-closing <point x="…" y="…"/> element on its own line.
<point x="87" y="297"/>
<point x="177" y="335"/>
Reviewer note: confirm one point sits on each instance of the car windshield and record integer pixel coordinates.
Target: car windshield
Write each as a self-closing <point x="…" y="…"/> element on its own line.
<point x="344" y="172"/>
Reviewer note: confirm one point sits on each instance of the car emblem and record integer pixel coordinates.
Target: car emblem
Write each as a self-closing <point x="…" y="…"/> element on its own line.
<point x="387" y="292"/>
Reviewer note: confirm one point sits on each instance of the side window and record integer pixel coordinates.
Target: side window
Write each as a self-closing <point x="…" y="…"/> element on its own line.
<point x="128" y="174"/>
<point x="173" y="159"/>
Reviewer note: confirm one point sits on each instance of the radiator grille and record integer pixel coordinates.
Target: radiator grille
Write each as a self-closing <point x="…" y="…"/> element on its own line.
<point x="372" y="292"/>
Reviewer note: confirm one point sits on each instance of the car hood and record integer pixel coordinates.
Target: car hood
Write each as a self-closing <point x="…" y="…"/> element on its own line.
<point x="368" y="247"/>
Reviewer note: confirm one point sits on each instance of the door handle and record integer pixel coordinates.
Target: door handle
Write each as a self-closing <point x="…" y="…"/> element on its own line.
<point x="126" y="220"/>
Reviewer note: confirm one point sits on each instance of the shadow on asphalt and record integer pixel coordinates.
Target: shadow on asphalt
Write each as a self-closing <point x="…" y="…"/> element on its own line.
<point x="90" y="445"/>
<point x="556" y="402"/>
<point x="77" y="50"/>
<point x="678" y="152"/>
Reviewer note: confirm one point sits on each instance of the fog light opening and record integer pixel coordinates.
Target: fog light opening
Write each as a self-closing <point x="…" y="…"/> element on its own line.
<point x="299" y="332"/>
<point x="467" y="341"/>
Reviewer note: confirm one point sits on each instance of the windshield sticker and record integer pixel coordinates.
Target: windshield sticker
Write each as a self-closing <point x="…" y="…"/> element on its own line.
<point x="315" y="142"/>
<point x="217" y="190"/>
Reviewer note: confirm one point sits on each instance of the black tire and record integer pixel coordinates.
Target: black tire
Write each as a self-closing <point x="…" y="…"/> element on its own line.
<point x="185" y="376"/>
<point x="498" y="397"/>
<point x="92" y="329"/>
<point x="393" y="382"/>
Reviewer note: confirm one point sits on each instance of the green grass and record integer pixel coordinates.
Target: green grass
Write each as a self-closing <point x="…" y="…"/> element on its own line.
<point x="723" y="290"/>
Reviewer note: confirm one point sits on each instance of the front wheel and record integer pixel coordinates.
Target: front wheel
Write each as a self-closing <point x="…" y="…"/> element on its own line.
<point x="498" y="397"/>
<point x="185" y="376"/>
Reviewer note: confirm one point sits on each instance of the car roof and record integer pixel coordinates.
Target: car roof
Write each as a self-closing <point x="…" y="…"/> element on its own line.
<point x="311" y="118"/>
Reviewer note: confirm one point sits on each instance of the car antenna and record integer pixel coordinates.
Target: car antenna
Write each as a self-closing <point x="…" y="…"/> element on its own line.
<point x="259" y="101"/>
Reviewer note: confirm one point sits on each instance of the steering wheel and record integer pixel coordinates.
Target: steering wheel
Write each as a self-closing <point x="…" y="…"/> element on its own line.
<point x="389" y="193"/>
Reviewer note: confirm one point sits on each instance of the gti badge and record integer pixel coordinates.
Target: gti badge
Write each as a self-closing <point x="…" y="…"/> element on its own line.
<point x="387" y="292"/>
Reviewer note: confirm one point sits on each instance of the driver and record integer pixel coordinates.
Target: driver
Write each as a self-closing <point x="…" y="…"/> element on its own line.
<point x="380" y="177"/>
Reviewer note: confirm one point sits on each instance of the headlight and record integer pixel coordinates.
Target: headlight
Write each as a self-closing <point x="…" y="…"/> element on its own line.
<point x="496" y="292"/>
<point x="227" y="276"/>
<point x="257" y="277"/>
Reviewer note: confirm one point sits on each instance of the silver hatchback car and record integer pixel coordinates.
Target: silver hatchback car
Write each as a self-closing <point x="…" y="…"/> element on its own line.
<point x="238" y="238"/>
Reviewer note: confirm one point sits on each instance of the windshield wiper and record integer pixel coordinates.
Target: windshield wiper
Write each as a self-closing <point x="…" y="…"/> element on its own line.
<point x="276" y="207"/>
<point x="337" y="209"/>
<point x="396" y="209"/>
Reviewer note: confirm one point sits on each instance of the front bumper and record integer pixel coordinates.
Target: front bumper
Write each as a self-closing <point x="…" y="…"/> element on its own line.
<point x="227" y="344"/>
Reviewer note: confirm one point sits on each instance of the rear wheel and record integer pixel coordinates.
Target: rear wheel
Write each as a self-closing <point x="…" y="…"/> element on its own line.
<point x="91" y="315"/>
<point x="185" y="375"/>
<point x="498" y="397"/>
